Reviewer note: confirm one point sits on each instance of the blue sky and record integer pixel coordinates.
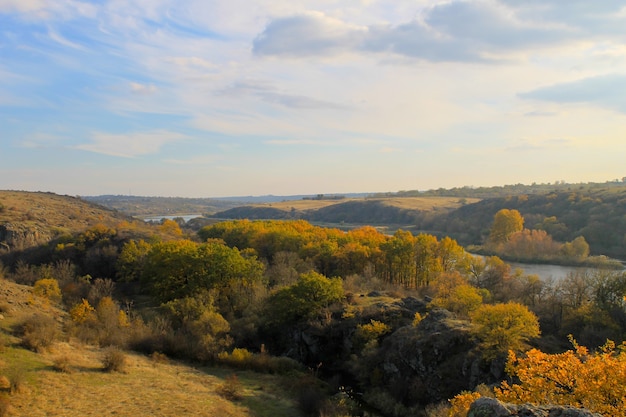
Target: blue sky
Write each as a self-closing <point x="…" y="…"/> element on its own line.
<point x="207" y="98"/>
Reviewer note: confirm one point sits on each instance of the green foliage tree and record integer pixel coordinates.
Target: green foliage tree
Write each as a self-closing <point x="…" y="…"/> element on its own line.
<point x="503" y="327"/>
<point x="179" y="269"/>
<point x="202" y="331"/>
<point x="304" y="299"/>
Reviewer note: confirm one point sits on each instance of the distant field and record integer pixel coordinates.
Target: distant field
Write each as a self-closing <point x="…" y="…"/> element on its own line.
<point x="408" y="203"/>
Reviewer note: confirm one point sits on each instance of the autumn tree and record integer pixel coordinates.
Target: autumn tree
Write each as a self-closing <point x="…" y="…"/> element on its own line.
<point x="578" y="378"/>
<point x="453" y="293"/>
<point x="505" y="223"/>
<point x="503" y="327"/>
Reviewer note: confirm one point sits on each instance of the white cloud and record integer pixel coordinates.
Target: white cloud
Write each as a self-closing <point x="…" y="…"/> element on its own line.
<point x="139" y="88"/>
<point x="604" y="91"/>
<point x="49" y="9"/>
<point x="130" y="145"/>
<point x="312" y="33"/>
<point x="454" y="31"/>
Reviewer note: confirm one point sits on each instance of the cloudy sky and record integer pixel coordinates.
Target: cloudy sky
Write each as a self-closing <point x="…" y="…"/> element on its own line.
<point x="207" y="98"/>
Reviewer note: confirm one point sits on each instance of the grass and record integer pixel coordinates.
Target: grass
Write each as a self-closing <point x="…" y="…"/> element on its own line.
<point x="408" y="203"/>
<point x="147" y="388"/>
<point x="68" y="379"/>
<point x="58" y="214"/>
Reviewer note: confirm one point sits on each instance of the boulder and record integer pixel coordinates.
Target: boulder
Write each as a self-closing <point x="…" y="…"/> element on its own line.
<point x="490" y="407"/>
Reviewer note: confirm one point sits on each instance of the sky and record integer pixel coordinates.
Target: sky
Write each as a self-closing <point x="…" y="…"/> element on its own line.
<point x="213" y="98"/>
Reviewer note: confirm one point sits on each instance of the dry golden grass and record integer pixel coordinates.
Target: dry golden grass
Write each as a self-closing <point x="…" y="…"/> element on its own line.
<point x="146" y="389"/>
<point x="81" y="387"/>
<point x="65" y="213"/>
<point x="408" y="203"/>
<point x="302" y="205"/>
<point x="427" y="203"/>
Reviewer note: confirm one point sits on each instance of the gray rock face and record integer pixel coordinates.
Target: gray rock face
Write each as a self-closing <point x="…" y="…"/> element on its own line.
<point x="490" y="407"/>
<point x="431" y="360"/>
<point x="17" y="236"/>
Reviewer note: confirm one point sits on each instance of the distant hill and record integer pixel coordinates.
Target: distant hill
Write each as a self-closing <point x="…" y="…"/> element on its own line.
<point x="31" y="218"/>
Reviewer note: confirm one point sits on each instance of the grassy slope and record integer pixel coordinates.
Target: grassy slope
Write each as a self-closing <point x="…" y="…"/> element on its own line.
<point x="147" y="388"/>
<point x="63" y="213"/>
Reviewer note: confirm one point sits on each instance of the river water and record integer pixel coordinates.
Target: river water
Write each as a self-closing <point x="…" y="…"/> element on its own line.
<point x="546" y="271"/>
<point x="185" y="217"/>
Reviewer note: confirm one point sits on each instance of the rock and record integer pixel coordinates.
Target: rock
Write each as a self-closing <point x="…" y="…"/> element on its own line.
<point x="21" y="236"/>
<point x="430" y="357"/>
<point x="490" y="407"/>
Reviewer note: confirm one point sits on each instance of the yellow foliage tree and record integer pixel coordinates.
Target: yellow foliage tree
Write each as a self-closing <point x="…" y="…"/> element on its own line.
<point x="47" y="288"/>
<point x="82" y="312"/>
<point x="576" y="378"/>
<point x="505" y="223"/>
<point x="504" y="327"/>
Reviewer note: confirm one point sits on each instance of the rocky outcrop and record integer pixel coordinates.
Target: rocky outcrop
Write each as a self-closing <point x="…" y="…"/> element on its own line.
<point x="490" y="407"/>
<point x="18" y="236"/>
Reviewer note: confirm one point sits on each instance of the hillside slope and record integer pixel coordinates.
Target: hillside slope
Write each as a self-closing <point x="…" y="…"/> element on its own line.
<point x="148" y="387"/>
<point x="31" y="218"/>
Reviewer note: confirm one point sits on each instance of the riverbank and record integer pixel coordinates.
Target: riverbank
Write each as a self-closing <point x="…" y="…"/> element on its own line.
<point x="596" y="262"/>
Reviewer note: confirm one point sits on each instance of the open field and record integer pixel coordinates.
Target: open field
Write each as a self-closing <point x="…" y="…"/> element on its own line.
<point x="407" y="203"/>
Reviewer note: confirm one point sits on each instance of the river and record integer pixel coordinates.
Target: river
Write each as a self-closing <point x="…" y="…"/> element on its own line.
<point x="547" y="271"/>
<point x="185" y="217"/>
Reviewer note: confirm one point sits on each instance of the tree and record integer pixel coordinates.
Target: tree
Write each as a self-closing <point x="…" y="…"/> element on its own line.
<point x="304" y="299"/>
<point x="504" y="327"/>
<point x="596" y="381"/>
<point x="505" y="223"/>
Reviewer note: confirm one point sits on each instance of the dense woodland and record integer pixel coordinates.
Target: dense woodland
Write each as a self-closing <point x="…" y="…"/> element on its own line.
<point x="400" y="323"/>
<point x="594" y="211"/>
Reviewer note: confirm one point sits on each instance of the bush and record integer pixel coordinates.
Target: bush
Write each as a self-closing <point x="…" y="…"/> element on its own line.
<point x="63" y="364"/>
<point x="158" y="357"/>
<point x="38" y="332"/>
<point x="17" y="380"/>
<point x="48" y="288"/>
<point x="114" y="360"/>
<point x="231" y="389"/>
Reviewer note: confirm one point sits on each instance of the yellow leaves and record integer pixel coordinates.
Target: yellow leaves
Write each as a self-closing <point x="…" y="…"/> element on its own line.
<point x="82" y="312"/>
<point x="503" y="327"/>
<point x="460" y="404"/>
<point x="577" y="378"/>
<point x="47" y="288"/>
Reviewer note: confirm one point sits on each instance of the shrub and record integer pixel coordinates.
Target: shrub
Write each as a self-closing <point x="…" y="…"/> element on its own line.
<point x="63" y="364"/>
<point x="4" y="307"/>
<point x="231" y="389"/>
<point x="48" y="288"/>
<point x="417" y="319"/>
<point x="158" y="357"/>
<point x="38" y="332"/>
<point x="17" y="380"/>
<point x="114" y="360"/>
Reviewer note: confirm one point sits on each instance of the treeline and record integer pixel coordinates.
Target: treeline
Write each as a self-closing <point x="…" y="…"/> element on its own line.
<point x="596" y="212"/>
